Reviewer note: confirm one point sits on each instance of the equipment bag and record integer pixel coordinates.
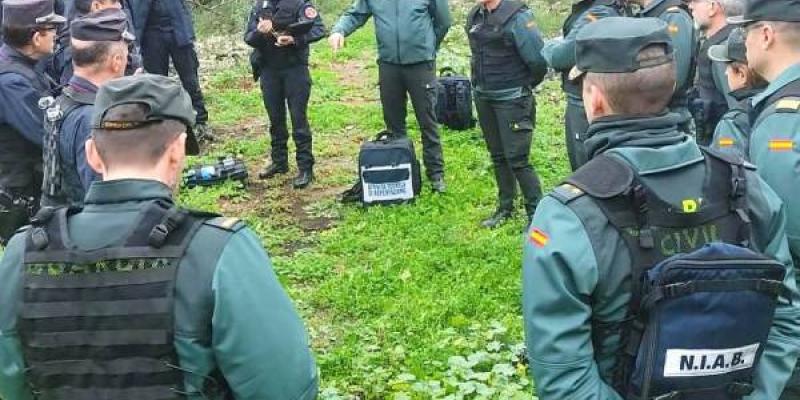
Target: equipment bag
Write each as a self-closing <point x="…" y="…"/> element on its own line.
<point x="702" y="301"/>
<point x="226" y="168"/>
<point x="454" y="100"/>
<point x="388" y="170"/>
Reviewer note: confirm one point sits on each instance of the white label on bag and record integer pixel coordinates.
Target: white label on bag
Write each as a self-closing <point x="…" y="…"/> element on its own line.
<point x="686" y="362"/>
<point x="388" y="191"/>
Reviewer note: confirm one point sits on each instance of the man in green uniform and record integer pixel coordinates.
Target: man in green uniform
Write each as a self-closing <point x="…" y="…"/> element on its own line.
<point x="133" y="297"/>
<point x="773" y="51"/>
<point x="684" y="38"/>
<point x="560" y="56"/>
<point x="577" y="264"/>
<point x="409" y="33"/>
<point x="506" y="65"/>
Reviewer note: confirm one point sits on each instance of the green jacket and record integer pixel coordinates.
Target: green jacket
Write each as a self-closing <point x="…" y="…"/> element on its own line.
<point x="732" y="134"/>
<point x="408" y="31"/>
<point x="560" y="52"/>
<point x="580" y="277"/>
<point x="776" y="165"/>
<point x="684" y="39"/>
<point x="231" y="313"/>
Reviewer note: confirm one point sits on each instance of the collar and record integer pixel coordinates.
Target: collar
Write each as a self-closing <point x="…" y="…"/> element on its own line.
<point x="790" y="75"/>
<point x="127" y="190"/>
<point x="649" y="143"/>
<point x="721" y="35"/>
<point x="746" y="93"/>
<point x="82" y="85"/>
<point x="8" y="53"/>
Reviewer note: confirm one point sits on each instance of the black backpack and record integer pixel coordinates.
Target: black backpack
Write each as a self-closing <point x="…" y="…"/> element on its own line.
<point x="702" y="300"/>
<point x="454" y="100"/>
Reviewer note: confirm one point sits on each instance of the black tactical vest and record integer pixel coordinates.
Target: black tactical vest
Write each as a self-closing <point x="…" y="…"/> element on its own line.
<point x="496" y="64"/>
<point x="654" y="230"/>
<point x="283" y="13"/>
<point x="99" y="324"/>
<point x="705" y="84"/>
<point x="20" y="160"/>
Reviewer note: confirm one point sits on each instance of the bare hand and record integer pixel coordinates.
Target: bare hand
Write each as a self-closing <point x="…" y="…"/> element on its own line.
<point x="264" y="26"/>
<point x="284" y="40"/>
<point x="336" y="41"/>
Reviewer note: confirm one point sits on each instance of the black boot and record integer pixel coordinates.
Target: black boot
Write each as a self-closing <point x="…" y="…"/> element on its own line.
<point x="271" y="170"/>
<point x="303" y="179"/>
<point x="438" y="185"/>
<point x="497" y="219"/>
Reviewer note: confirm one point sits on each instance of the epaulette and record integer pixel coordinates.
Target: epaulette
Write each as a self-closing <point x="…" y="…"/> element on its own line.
<point x="22" y="229"/>
<point x="791" y="104"/>
<point x="673" y="9"/>
<point x="749" y="166"/>
<point x="230" y="224"/>
<point x="566" y="193"/>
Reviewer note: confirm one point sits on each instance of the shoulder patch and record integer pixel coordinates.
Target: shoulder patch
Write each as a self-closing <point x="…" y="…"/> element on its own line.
<point x="673" y="29"/>
<point x="792" y="104"/>
<point x="226" y="223"/>
<point x="781" y="145"/>
<point x="538" y="237"/>
<point x="310" y="12"/>
<point x="726" y="142"/>
<point x="591" y="17"/>
<point x="566" y="193"/>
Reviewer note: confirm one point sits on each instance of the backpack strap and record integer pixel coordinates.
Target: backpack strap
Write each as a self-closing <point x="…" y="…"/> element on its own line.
<point x="785" y="100"/>
<point x="507" y="10"/>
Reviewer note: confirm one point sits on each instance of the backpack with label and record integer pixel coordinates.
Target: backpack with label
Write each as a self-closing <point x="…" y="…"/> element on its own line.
<point x="454" y="100"/>
<point x="702" y="301"/>
<point x="388" y="170"/>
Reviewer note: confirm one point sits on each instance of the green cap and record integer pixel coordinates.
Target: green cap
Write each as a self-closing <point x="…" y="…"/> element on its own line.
<point x="30" y="13"/>
<point x="164" y="98"/>
<point x="732" y="50"/>
<point x="768" y="10"/>
<point x="611" y="45"/>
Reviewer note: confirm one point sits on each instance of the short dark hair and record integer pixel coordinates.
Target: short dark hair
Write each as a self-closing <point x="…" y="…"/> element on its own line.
<point x="85" y="6"/>
<point x="646" y="91"/>
<point x="92" y="53"/>
<point x="140" y="146"/>
<point x="754" y="80"/>
<point x="18" y="36"/>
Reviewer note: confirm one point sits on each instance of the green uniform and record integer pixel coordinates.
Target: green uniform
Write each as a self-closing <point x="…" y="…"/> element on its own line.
<point x="560" y="55"/>
<point x="775" y="149"/>
<point x="576" y="279"/>
<point x="503" y="77"/>
<point x="684" y="39"/>
<point x="231" y="316"/>
<point x="732" y="134"/>
<point x="408" y="31"/>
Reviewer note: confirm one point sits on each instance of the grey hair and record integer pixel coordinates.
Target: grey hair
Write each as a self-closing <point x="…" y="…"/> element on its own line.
<point x="732" y="8"/>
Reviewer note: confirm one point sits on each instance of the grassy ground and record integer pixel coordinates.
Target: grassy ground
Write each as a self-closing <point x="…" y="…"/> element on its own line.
<point x="403" y="302"/>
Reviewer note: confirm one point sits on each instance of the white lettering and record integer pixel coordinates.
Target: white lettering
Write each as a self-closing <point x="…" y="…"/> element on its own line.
<point x="690" y="362"/>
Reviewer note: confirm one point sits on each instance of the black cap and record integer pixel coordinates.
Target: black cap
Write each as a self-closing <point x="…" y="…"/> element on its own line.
<point x="164" y="98"/>
<point x="768" y="10"/>
<point x="732" y="50"/>
<point x="31" y="13"/>
<point x="109" y="25"/>
<point x="612" y="45"/>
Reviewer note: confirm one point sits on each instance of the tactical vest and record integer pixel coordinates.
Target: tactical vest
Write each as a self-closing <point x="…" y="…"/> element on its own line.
<point x="654" y="232"/>
<point x="61" y="185"/>
<point x="283" y="13"/>
<point x="496" y="63"/>
<point x="715" y="103"/>
<point x="99" y="324"/>
<point x="20" y="160"/>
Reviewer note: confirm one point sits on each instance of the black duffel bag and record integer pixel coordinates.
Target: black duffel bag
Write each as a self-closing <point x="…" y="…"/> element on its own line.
<point x="454" y="100"/>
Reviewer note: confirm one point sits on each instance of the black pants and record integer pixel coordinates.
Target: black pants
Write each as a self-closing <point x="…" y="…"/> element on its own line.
<point x="279" y="88"/>
<point x="397" y="84"/>
<point x="157" y="49"/>
<point x="576" y="126"/>
<point x="507" y="127"/>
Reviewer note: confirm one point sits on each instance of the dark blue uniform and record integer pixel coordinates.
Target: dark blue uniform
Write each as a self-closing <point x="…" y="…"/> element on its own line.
<point x="165" y="30"/>
<point x="284" y="74"/>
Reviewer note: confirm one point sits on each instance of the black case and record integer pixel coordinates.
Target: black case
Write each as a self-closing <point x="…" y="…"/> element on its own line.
<point x="388" y="170"/>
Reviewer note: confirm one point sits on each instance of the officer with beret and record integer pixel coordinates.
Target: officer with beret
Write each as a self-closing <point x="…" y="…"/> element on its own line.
<point x="166" y="32"/>
<point x="732" y="134"/>
<point x="772" y="39"/>
<point x="280" y="32"/>
<point x="60" y="67"/>
<point x="506" y="65"/>
<point x="578" y="262"/>
<point x="560" y="56"/>
<point x="29" y="31"/>
<point x="134" y="297"/>
<point x="99" y="50"/>
<point x="684" y="36"/>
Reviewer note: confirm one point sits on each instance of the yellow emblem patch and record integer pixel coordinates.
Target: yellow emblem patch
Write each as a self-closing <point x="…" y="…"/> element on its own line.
<point x="673" y="29"/>
<point x="539" y="238"/>
<point x="591" y="17"/>
<point x="726" y="142"/>
<point x="778" y="145"/>
<point x="690" y="206"/>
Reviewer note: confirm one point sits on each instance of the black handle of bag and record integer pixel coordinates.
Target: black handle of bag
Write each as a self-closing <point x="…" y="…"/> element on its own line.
<point x="447" y="71"/>
<point x="384" y="136"/>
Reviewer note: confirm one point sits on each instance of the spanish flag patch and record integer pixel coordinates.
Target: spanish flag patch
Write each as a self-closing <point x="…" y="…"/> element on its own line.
<point x="591" y="17"/>
<point x="726" y="142"/>
<point x="539" y="238"/>
<point x="781" y="145"/>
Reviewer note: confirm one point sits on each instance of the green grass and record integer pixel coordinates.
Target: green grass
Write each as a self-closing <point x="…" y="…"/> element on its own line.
<point x="413" y="301"/>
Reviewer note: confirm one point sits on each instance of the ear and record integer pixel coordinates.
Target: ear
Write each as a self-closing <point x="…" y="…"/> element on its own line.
<point x="96" y="6"/>
<point x="93" y="157"/>
<point x="767" y="34"/>
<point x="597" y="103"/>
<point x="177" y="151"/>
<point x="119" y="62"/>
